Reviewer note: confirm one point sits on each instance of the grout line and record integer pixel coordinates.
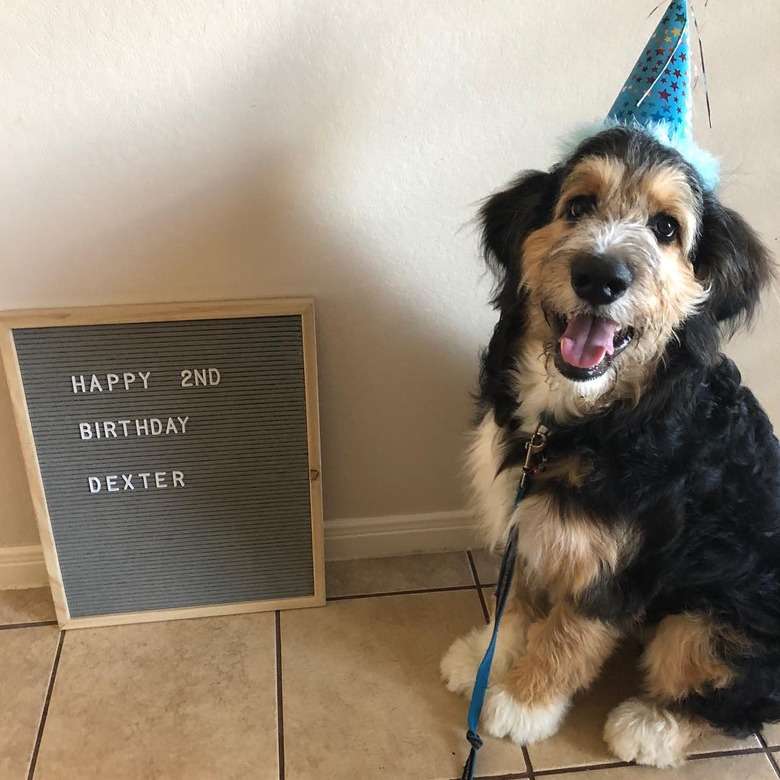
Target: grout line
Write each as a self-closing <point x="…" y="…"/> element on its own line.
<point x="279" y="697"/>
<point x="402" y="593"/>
<point x="475" y="577"/>
<point x="528" y="765"/>
<point x="473" y="567"/>
<point x="36" y="624"/>
<point x="485" y="610"/>
<point x="571" y="770"/>
<point x="769" y="753"/>
<point x="725" y="753"/>
<point x="45" y="710"/>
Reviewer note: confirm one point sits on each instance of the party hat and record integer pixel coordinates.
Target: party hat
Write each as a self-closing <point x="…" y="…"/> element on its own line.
<point x="658" y="91"/>
<point x="657" y="96"/>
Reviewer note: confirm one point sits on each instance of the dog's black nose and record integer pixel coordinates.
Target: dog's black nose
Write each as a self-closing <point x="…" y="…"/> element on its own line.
<point x="600" y="279"/>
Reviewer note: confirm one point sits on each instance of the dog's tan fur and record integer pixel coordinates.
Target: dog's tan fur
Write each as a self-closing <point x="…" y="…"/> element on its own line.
<point x="684" y="656"/>
<point x="564" y="555"/>
<point x="571" y="470"/>
<point x="564" y="653"/>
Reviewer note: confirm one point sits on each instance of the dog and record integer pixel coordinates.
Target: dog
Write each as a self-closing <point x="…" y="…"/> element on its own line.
<point x="657" y="511"/>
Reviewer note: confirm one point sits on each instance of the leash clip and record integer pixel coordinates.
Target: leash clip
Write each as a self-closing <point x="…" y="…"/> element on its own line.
<point x="533" y="448"/>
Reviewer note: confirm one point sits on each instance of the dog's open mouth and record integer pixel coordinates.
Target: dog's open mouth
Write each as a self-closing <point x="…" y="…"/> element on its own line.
<point x="586" y="345"/>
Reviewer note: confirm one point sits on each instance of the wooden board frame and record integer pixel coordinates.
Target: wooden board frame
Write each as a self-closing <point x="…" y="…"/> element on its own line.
<point x="165" y="312"/>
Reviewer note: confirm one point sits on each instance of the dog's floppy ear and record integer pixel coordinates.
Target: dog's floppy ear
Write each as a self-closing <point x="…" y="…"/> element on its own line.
<point x="733" y="260"/>
<point x="509" y="216"/>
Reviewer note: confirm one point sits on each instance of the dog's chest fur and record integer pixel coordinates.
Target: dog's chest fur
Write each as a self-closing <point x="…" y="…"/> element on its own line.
<point x="562" y="552"/>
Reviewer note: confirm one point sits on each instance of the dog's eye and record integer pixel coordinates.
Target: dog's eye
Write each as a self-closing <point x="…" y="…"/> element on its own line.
<point x="580" y="206"/>
<point x="666" y="228"/>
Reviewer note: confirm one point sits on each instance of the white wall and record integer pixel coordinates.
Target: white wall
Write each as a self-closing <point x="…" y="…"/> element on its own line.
<point x="178" y="150"/>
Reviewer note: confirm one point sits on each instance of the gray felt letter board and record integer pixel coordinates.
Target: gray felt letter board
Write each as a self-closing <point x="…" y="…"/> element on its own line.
<point x="173" y="456"/>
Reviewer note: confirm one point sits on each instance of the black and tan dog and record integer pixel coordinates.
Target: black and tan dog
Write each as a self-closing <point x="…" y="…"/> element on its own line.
<point x="659" y="507"/>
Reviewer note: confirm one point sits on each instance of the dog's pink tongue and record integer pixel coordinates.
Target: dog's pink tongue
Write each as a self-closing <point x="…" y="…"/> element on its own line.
<point x="586" y="341"/>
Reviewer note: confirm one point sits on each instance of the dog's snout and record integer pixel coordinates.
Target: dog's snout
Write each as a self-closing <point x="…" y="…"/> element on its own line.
<point x="600" y="279"/>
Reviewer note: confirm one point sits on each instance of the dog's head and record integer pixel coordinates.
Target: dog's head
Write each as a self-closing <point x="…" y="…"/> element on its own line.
<point x="613" y="253"/>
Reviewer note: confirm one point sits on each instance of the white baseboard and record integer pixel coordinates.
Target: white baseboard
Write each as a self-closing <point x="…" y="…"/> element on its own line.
<point x="379" y="537"/>
<point x="359" y="537"/>
<point x="22" y="567"/>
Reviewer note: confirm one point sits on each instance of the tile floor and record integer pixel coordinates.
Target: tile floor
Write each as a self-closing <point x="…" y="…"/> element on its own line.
<point x="349" y="691"/>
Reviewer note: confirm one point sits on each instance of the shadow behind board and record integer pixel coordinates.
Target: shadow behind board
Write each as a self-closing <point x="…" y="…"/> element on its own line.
<point x="202" y="496"/>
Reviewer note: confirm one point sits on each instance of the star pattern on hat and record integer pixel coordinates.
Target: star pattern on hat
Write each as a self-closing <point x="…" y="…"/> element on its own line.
<point x="659" y="87"/>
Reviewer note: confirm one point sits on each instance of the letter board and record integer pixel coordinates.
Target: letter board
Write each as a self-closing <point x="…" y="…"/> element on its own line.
<point x="173" y="456"/>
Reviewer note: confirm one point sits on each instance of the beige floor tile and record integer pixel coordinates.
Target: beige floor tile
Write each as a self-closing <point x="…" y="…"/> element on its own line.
<point x="31" y="605"/>
<point x="772" y="733"/>
<point x="752" y="767"/>
<point x="183" y="700"/>
<point x="487" y="564"/>
<point x="400" y="573"/>
<point x="362" y="693"/>
<point x="26" y="659"/>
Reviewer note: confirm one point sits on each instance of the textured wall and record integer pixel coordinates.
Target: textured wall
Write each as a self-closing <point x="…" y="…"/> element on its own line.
<point x="184" y="150"/>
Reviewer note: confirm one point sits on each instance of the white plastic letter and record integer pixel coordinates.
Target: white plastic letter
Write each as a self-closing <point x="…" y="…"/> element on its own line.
<point x="178" y="478"/>
<point x="111" y="483"/>
<point x="111" y="380"/>
<point x="128" y="379"/>
<point x="86" y="430"/>
<point x="94" y="485"/>
<point x="183" y="423"/>
<point x="144" y="475"/>
<point x="145" y="378"/>
<point x="79" y="385"/>
<point x="94" y="385"/>
<point x="159" y="479"/>
<point x="156" y="425"/>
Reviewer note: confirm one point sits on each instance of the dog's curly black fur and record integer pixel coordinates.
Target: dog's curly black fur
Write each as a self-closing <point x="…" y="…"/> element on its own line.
<point x="693" y="464"/>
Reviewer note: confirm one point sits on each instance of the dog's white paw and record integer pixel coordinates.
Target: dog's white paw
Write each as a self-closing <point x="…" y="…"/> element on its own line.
<point x="642" y="731"/>
<point x="460" y="662"/>
<point x="504" y="716"/>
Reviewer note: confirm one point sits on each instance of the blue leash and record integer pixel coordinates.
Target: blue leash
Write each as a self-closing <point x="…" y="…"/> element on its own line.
<point x="506" y="573"/>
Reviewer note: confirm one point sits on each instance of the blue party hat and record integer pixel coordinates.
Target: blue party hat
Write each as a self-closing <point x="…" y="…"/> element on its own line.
<point x="657" y="96"/>
<point x="658" y="91"/>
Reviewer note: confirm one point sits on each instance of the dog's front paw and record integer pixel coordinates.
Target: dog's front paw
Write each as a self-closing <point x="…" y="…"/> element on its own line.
<point x="504" y="716"/>
<point x="645" y="732"/>
<point x="460" y="662"/>
<point x="459" y="665"/>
